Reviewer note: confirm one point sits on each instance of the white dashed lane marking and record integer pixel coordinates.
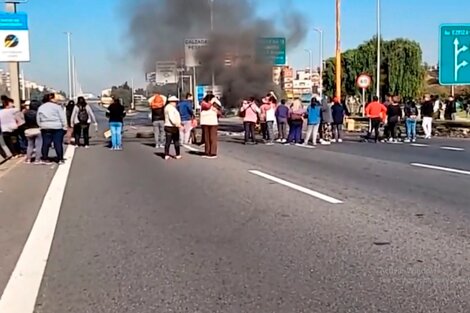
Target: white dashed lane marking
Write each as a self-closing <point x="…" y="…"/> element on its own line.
<point x="441" y="168"/>
<point x="453" y="148"/>
<point x="304" y="190"/>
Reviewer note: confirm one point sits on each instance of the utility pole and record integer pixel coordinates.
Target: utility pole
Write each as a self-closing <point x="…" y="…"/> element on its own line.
<point x="320" y="32"/>
<point x="132" y="94"/>
<point x="378" y="49"/>
<point x="23" y="86"/>
<point x="310" y="63"/>
<point x="69" y="57"/>
<point x="338" y="49"/>
<point x="14" y="67"/>
<point x="74" y="78"/>
<point x="212" y="33"/>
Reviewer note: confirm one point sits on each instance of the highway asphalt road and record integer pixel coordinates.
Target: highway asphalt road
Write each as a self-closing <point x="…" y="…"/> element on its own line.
<point x="345" y="228"/>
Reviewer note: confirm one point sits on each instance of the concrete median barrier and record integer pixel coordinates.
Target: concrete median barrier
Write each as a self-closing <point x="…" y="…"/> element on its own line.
<point x="441" y="128"/>
<point x="5" y="153"/>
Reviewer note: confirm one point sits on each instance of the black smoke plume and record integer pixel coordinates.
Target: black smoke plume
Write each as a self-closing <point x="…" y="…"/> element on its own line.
<point x="158" y="28"/>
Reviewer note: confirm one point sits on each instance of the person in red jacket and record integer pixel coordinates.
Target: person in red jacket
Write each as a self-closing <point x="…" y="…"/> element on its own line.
<point x="376" y="112"/>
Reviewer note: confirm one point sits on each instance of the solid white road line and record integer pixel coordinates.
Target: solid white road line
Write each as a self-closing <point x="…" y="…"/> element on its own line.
<point x="419" y="145"/>
<point x="440" y="168"/>
<point x="297" y="187"/>
<point x="453" y="148"/>
<point x="22" y="289"/>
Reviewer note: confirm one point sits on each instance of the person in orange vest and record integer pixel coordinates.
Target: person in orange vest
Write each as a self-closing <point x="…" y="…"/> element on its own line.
<point x="377" y="113"/>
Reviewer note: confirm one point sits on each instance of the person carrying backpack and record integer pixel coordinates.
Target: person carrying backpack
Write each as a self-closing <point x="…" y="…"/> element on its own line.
<point x="157" y="104"/>
<point x="82" y="117"/>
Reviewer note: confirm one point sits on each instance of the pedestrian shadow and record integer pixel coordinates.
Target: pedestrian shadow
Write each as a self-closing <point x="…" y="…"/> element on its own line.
<point x="240" y="141"/>
<point x="196" y="153"/>
<point x="160" y="154"/>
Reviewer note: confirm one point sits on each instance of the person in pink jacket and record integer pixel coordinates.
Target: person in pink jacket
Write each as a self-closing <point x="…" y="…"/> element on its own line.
<point x="250" y="112"/>
<point x="268" y="113"/>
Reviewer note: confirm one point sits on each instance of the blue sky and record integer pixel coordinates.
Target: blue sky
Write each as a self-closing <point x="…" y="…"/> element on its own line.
<point x="98" y="29"/>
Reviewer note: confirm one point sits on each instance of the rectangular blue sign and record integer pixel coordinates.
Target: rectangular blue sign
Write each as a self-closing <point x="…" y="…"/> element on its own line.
<point x="454" y="54"/>
<point x="13" y="21"/>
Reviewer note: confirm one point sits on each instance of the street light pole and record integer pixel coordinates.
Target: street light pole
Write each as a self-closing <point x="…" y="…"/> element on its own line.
<point x="338" y="49"/>
<point x="69" y="57"/>
<point x="378" y="48"/>
<point x="320" y="32"/>
<point x="310" y="60"/>
<point x="212" y="33"/>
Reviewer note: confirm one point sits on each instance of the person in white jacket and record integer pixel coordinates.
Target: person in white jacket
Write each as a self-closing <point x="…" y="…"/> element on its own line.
<point x="172" y="127"/>
<point x="209" y="122"/>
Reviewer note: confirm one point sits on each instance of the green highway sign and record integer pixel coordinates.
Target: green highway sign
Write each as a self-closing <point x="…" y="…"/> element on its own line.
<point x="454" y="54"/>
<point x="271" y="50"/>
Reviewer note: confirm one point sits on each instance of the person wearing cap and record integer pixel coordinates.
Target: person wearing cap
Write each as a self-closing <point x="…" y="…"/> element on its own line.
<point x="172" y="127"/>
<point x="210" y="112"/>
<point x="52" y="121"/>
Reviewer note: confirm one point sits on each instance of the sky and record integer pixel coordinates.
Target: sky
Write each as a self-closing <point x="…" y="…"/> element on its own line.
<point x="98" y="34"/>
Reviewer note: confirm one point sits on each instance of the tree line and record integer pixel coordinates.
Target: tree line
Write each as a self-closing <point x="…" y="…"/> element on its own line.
<point x="402" y="70"/>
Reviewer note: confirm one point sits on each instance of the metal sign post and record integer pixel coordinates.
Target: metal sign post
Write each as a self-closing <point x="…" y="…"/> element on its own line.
<point x="14" y="35"/>
<point x="166" y="72"/>
<point x="363" y="81"/>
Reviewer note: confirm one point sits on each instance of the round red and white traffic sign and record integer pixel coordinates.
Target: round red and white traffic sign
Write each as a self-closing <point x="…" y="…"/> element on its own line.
<point x="363" y="81"/>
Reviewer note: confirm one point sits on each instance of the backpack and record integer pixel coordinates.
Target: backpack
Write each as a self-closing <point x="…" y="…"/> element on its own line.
<point x="157" y="102"/>
<point x="83" y="115"/>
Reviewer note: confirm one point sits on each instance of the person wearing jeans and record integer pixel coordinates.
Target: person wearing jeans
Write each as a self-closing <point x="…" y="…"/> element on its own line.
<point x="313" y="121"/>
<point x="185" y="108"/>
<point x="411" y="113"/>
<point x="250" y="111"/>
<point x="52" y="121"/>
<point x="116" y="114"/>
<point x="427" y="113"/>
<point x="158" y="119"/>
<point x="296" y="117"/>
<point x="56" y="137"/>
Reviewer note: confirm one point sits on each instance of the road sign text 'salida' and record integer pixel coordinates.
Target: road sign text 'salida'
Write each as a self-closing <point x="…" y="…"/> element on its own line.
<point x="454" y="54"/>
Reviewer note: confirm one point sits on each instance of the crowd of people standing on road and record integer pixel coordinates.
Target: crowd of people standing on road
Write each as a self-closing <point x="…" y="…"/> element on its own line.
<point x="37" y="126"/>
<point x="174" y="121"/>
<point x="324" y="120"/>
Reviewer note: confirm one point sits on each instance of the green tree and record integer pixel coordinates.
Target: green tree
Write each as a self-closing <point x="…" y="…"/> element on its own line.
<point x="402" y="71"/>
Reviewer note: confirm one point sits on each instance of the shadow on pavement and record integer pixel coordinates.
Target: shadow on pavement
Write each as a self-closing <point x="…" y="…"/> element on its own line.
<point x="196" y="153"/>
<point x="160" y="154"/>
